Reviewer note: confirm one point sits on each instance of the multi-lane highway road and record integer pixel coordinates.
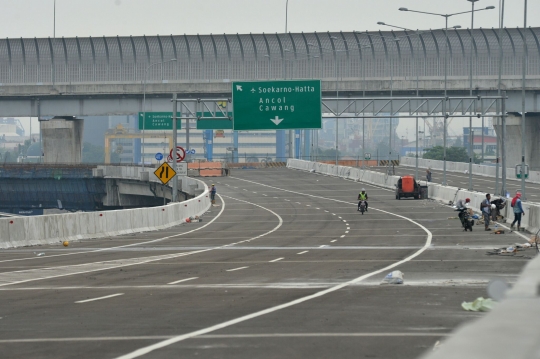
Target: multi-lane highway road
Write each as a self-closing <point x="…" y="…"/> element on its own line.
<point x="284" y="267"/>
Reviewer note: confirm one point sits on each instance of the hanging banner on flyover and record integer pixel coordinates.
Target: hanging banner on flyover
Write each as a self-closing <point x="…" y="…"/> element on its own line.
<point x="276" y="105"/>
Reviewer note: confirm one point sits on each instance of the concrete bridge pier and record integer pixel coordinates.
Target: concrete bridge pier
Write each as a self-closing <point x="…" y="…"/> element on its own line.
<point x="62" y="139"/>
<point x="513" y="139"/>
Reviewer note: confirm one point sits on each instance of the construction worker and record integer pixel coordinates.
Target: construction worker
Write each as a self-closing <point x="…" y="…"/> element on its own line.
<point x="362" y="196"/>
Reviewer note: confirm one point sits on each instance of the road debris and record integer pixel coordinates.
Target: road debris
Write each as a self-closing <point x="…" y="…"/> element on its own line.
<point x="395" y="277"/>
<point x="479" y="305"/>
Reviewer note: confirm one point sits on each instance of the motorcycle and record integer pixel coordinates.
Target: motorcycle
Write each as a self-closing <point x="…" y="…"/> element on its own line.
<point x="362" y="206"/>
<point x="466" y="220"/>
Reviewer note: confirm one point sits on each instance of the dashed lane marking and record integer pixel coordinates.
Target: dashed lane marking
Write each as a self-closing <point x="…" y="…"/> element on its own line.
<point x="183" y="280"/>
<point x="100" y="298"/>
<point x="277" y="259"/>
<point x="226" y="336"/>
<point x="302" y="252"/>
<point x="17" y="277"/>
<point x="335" y="240"/>
<point x="235" y="269"/>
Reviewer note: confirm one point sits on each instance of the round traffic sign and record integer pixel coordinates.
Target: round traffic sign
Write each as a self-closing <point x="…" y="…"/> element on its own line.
<point x="159" y="156"/>
<point x="180" y="154"/>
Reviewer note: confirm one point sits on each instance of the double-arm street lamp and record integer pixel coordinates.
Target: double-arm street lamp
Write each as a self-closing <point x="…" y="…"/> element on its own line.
<point x="335" y="52"/>
<point x="417" y="80"/>
<point x="144" y="99"/>
<point x="446" y="16"/>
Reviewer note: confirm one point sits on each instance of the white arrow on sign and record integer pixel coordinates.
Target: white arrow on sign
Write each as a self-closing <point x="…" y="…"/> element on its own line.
<point x="238" y="87"/>
<point x="277" y="120"/>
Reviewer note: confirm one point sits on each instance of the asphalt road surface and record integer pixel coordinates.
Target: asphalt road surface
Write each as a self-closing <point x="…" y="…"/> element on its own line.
<point x="283" y="267"/>
<point x="461" y="180"/>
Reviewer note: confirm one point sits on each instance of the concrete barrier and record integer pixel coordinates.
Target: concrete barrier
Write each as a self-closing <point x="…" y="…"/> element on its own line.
<point x="461" y="167"/>
<point x="510" y="330"/>
<point x="48" y="229"/>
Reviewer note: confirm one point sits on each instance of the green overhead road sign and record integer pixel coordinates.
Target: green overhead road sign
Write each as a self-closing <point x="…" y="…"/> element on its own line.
<point x="157" y="121"/>
<point x="277" y="105"/>
<point x="211" y="124"/>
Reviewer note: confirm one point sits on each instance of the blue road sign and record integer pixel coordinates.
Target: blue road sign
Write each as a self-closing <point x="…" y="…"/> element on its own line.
<point x="159" y="156"/>
<point x="192" y="151"/>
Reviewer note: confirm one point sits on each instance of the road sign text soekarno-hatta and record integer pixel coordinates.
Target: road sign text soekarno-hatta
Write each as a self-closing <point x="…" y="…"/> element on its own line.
<point x="277" y="105"/>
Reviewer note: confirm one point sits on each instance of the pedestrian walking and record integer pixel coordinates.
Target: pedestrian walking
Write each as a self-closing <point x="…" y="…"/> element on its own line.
<point x="213" y="191"/>
<point x="518" y="211"/>
<point x="485" y="207"/>
<point x="428" y="174"/>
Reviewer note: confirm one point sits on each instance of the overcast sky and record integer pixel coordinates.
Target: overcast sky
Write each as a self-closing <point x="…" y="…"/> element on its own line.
<point x="34" y="18"/>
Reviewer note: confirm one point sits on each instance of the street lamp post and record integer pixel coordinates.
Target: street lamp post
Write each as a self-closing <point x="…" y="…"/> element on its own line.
<point x="144" y="101"/>
<point x="446" y="16"/>
<point x="523" y="101"/>
<point x="417" y="84"/>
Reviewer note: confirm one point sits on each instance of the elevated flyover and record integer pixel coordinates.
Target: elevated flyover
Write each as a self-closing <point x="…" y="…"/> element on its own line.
<point x="106" y="75"/>
<point x="284" y="266"/>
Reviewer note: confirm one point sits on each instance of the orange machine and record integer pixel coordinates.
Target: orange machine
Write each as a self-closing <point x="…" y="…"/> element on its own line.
<point x="407" y="187"/>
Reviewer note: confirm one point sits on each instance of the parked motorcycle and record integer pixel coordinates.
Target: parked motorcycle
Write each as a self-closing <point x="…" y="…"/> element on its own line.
<point x="467" y="222"/>
<point x="362" y="206"/>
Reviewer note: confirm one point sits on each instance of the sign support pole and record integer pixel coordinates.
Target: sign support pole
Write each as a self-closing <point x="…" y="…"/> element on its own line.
<point x="175" y="137"/>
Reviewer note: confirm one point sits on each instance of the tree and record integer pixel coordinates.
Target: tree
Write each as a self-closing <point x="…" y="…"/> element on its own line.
<point x="453" y="154"/>
<point x="458" y="142"/>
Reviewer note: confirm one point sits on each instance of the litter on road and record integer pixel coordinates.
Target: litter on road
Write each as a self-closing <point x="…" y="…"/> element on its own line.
<point x="479" y="305"/>
<point x="395" y="277"/>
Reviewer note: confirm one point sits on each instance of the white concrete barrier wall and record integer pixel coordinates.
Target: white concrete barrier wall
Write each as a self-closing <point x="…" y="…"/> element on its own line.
<point x="479" y="170"/>
<point x="48" y="229"/>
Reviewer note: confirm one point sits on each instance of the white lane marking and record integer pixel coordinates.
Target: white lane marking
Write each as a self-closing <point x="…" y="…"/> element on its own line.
<point x="288" y="200"/>
<point x="100" y="298"/>
<point x="254" y="192"/>
<point x="342" y="236"/>
<point x="275" y="198"/>
<point x="9" y="278"/>
<point x="234" y="269"/>
<point x="277" y="259"/>
<point x="348" y="228"/>
<point x="336" y="239"/>
<point x="183" y="280"/>
<point x="340" y="218"/>
<point x="346" y="231"/>
<point x="307" y="205"/>
<point x="179" y="338"/>
<point x="345" y="221"/>
<point x="317" y="208"/>
<point x="127" y="245"/>
<point x="302" y="252"/>
<point x="227" y="336"/>
<point x="243" y="189"/>
<point x="333" y="214"/>
<point x="324" y="245"/>
<point x="267" y="195"/>
<point x="298" y="202"/>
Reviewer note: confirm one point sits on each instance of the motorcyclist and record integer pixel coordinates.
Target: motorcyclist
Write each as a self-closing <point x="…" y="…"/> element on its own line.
<point x="463" y="203"/>
<point x="362" y="196"/>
